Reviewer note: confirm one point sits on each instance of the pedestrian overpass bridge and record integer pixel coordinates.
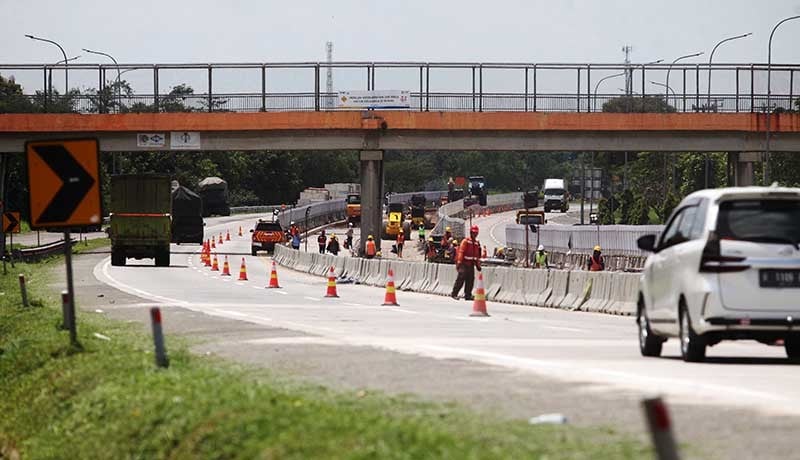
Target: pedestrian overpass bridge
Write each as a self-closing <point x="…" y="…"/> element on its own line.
<point x="411" y="130"/>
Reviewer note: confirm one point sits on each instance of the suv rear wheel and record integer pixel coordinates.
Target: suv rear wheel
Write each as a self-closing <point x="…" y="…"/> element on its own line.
<point x="649" y="343"/>
<point x="792" y="345"/>
<point x="693" y="346"/>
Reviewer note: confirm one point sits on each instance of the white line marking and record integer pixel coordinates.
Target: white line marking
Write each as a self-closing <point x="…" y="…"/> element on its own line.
<point x="281" y="292"/>
<point x="559" y="328"/>
<point x="312" y="298"/>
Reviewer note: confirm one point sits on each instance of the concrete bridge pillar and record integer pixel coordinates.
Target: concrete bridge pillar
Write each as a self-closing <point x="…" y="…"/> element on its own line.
<point x="371" y="196"/>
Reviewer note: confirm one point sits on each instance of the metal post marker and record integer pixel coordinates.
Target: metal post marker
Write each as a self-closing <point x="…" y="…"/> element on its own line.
<point x="71" y="323"/>
<point x="23" y="291"/>
<point x="64" y="310"/>
<point x="158" y="338"/>
<point x="660" y="426"/>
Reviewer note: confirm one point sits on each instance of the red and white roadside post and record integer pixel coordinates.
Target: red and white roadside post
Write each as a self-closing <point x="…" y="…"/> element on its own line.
<point x="158" y="338"/>
<point x="660" y="425"/>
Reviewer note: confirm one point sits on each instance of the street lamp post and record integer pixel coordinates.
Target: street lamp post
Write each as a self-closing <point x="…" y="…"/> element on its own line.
<point x="708" y="100"/>
<point x="769" y="93"/>
<point x="669" y="69"/>
<point x="119" y="92"/>
<point x="50" y="72"/>
<point x="594" y="108"/>
<point x="66" y="61"/>
<point x="669" y="88"/>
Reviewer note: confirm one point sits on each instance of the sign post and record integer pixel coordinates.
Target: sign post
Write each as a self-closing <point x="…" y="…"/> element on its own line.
<point x="11" y="221"/>
<point x="64" y="187"/>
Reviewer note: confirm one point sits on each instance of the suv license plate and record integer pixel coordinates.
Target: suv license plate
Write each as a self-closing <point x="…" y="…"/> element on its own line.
<point x="779" y="278"/>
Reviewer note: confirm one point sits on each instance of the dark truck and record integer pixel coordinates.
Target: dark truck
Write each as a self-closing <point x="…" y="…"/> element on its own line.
<point x="187" y="219"/>
<point x="140" y="218"/>
<point x="214" y="192"/>
<point x="477" y="191"/>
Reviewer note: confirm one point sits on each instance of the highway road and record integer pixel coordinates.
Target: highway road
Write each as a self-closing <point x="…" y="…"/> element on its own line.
<point x="521" y="361"/>
<point x="493" y="227"/>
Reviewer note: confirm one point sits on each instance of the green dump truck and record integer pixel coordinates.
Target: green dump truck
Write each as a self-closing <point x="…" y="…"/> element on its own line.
<point x="141" y="224"/>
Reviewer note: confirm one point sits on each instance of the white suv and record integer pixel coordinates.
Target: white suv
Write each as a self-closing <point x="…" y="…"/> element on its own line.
<point x="725" y="267"/>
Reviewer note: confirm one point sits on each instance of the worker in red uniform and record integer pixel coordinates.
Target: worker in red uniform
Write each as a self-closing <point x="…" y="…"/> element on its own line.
<point x="467" y="261"/>
<point x="369" y="249"/>
<point x="595" y="263"/>
<point x="401" y="239"/>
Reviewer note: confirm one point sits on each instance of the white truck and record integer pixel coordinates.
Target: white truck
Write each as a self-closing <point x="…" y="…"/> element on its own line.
<point x="555" y="195"/>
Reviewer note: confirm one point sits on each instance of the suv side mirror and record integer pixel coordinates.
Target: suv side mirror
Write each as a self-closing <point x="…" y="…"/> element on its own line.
<point x="647" y="243"/>
<point x="251" y="230"/>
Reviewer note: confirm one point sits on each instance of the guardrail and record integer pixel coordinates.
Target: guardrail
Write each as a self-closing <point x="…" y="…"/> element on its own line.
<point x="40" y="252"/>
<point x="523" y="87"/>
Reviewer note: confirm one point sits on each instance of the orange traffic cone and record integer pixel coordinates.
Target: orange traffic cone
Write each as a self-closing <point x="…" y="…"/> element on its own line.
<point x="479" y="304"/>
<point x="215" y="265"/>
<point x="213" y="244"/>
<point x="240" y="230"/>
<point x="226" y="269"/>
<point x="484" y="254"/>
<point x="220" y="238"/>
<point x="273" y="277"/>
<point x="331" y="284"/>
<point x="243" y="271"/>
<point x="227" y="235"/>
<point x="391" y="298"/>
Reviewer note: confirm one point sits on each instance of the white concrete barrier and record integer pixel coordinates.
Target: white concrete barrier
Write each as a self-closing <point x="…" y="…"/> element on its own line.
<point x="576" y="290"/>
<point x="559" y="283"/>
<point x="535" y="286"/>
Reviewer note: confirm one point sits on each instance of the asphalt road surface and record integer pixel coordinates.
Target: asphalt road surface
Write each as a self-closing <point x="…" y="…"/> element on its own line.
<point x="520" y="362"/>
<point x="493" y="227"/>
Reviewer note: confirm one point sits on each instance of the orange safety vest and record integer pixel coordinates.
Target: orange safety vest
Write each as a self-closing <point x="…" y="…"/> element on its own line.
<point x="596" y="263"/>
<point x="469" y="252"/>
<point x="370" y="249"/>
<point x="401" y="238"/>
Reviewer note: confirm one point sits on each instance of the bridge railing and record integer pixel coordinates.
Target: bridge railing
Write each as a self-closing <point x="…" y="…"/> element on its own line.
<point x="522" y="87"/>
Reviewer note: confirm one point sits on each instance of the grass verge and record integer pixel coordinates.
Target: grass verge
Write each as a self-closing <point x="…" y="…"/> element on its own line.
<point x="107" y="400"/>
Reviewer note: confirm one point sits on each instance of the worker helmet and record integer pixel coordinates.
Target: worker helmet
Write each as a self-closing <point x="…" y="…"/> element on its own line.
<point x="401" y="230"/>
<point x="455" y="242"/>
<point x="447" y="229"/>
<point x="474" y="229"/>
<point x="292" y="223"/>
<point x="333" y="237"/>
<point x="430" y="239"/>
<point x="369" y="237"/>
<point x="597" y="248"/>
<point x="541" y="247"/>
<point x="350" y="225"/>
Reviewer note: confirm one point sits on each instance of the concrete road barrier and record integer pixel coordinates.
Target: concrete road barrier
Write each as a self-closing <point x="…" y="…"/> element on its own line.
<point x="535" y="286"/>
<point x="559" y="284"/>
<point x="576" y="290"/>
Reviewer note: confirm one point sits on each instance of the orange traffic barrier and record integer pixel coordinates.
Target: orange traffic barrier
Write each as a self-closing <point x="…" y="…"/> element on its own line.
<point x="391" y="297"/>
<point x="227" y="235"/>
<point x="331" y="284"/>
<point x="240" y="230"/>
<point x="226" y="269"/>
<point x="479" y="304"/>
<point x="215" y="265"/>
<point x="243" y="271"/>
<point x="273" y="277"/>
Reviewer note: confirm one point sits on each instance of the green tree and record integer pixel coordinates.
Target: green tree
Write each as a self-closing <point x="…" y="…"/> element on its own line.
<point x="12" y="100"/>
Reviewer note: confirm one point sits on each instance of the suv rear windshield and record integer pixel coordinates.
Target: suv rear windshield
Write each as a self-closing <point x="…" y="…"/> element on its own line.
<point x="268" y="227"/>
<point x="353" y="199"/>
<point x="765" y="220"/>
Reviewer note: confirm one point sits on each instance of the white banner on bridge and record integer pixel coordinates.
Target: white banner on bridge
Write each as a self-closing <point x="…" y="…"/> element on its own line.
<point x="184" y="140"/>
<point x="389" y="99"/>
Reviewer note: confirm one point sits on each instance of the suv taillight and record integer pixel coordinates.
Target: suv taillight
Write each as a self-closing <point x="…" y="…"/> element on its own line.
<point x="714" y="262"/>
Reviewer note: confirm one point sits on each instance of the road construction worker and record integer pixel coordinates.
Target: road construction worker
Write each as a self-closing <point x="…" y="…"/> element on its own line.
<point x="467" y="261"/>
<point x="430" y="253"/>
<point x="293" y="229"/>
<point x="369" y="248"/>
<point x="452" y="251"/>
<point x="595" y="263"/>
<point x="348" y="242"/>
<point x="333" y="245"/>
<point x="321" y="242"/>
<point x="401" y="239"/>
<point x="540" y="257"/>
<point x="421" y="232"/>
<point x="448" y="235"/>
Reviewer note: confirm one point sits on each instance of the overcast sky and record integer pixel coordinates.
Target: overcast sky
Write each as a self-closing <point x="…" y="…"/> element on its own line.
<point x="147" y="31"/>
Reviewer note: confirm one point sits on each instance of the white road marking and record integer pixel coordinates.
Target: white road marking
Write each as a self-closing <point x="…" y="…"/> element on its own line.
<point x="559" y="328"/>
<point x="281" y="292"/>
<point x="313" y="298"/>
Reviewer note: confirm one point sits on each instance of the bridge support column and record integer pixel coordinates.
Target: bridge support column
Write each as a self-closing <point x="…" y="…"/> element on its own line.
<point x="371" y="196"/>
<point x="745" y="171"/>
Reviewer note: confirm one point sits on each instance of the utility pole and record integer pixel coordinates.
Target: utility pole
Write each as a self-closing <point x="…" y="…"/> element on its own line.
<point x="329" y="75"/>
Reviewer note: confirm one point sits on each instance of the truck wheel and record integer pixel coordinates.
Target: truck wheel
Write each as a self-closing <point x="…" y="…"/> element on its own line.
<point x="792" y="346"/>
<point x="253" y="252"/>
<point x="162" y="258"/>
<point x="117" y="258"/>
